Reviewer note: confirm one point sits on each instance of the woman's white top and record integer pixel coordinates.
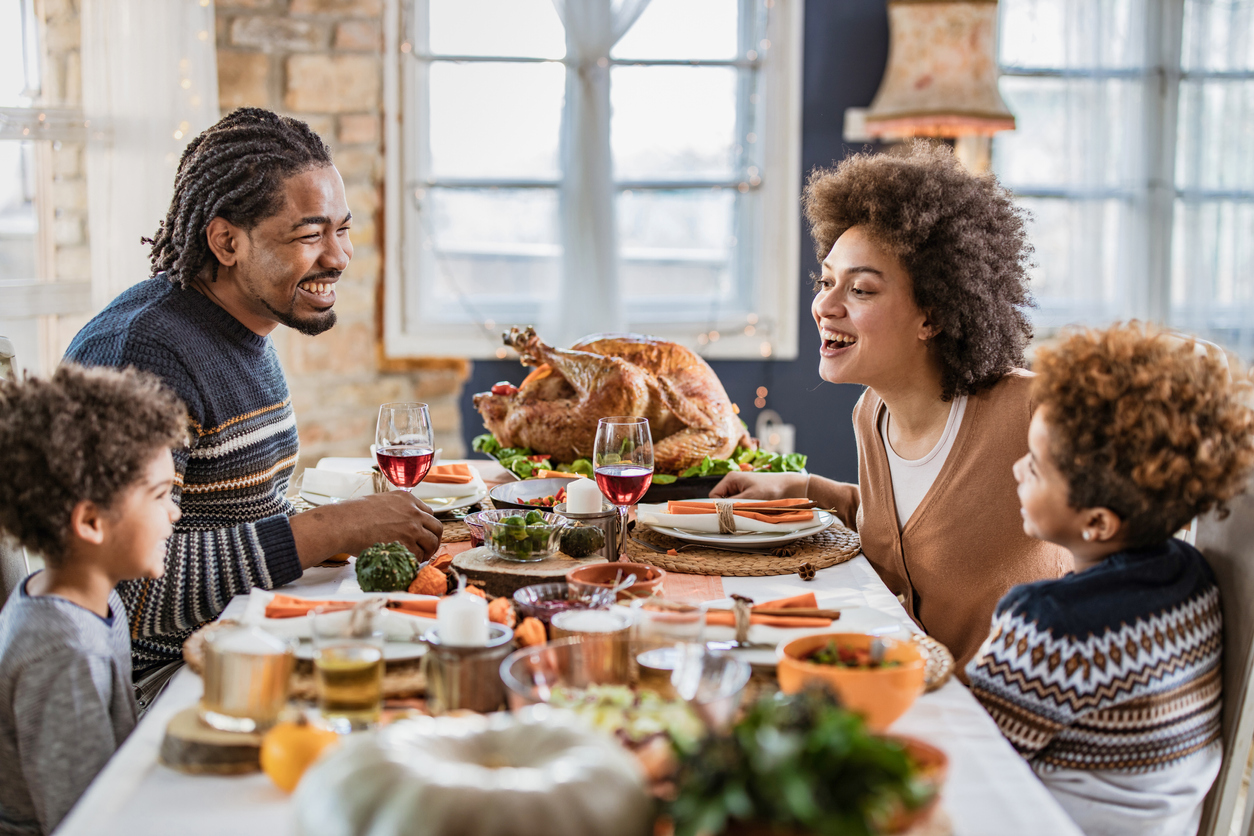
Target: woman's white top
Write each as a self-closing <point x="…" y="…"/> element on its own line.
<point x="1163" y="802"/>
<point x="912" y="479"/>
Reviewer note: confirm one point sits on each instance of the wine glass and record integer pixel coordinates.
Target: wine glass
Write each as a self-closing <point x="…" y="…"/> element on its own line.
<point x="403" y="443"/>
<point x="623" y="463"/>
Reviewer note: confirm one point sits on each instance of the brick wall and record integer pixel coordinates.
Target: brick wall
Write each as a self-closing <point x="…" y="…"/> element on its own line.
<point x="321" y="61"/>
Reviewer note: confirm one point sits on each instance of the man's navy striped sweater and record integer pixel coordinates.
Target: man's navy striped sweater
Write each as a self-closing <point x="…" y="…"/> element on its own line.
<point x="231" y="483"/>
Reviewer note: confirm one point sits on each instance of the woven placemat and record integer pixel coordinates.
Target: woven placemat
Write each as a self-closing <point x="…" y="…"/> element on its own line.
<point x="455" y="530"/>
<point x="938" y="662"/>
<point x="818" y="551"/>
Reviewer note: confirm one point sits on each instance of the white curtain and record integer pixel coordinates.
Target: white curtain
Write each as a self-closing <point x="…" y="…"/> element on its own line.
<point x="590" y="300"/>
<point x="150" y="84"/>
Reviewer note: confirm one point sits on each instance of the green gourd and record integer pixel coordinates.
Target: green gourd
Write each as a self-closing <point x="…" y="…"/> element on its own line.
<point x="386" y="567"/>
<point x="582" y="540"/>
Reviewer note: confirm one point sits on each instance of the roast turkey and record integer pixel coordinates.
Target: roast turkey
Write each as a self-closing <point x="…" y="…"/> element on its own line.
<point x="557" y="407"/>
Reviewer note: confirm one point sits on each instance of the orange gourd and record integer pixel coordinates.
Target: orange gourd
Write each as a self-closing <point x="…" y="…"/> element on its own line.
<point x="289" y="748"/>
<point x="501" y="610"/>
<point x="530" y="632"/>
<point x="430" y="581"/>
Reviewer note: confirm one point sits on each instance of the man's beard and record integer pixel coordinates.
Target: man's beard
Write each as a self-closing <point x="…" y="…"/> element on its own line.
<point x="310" y="327"/>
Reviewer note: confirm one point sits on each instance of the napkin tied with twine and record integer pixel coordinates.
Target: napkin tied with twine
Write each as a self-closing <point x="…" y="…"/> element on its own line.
<point x="771" y="511"/>
<point x="727" y="618"/>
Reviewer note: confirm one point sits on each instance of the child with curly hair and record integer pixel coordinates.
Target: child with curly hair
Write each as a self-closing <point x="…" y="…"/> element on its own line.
<point x="85" y="481"/>
<point x="1108" y="680"/>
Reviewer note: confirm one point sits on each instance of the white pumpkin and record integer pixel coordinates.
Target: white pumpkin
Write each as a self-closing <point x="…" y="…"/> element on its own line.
<point x="538" y="773"/>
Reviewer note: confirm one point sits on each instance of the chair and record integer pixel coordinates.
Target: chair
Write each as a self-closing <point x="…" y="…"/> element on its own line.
<point x="1229" y="548"/>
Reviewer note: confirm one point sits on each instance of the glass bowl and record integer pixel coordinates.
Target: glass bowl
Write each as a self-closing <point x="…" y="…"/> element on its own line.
<point x="475" y="527"/>
<point x="711" y="683"/>
<point x="545" y="600"/>
<point x="511" y="537"/>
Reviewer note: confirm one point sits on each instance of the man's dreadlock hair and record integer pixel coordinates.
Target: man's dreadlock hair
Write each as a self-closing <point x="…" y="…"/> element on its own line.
<point x="234" y="170"/>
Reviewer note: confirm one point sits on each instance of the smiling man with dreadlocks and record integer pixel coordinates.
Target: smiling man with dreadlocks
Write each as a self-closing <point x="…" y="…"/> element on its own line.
<point x="256" y="237"/>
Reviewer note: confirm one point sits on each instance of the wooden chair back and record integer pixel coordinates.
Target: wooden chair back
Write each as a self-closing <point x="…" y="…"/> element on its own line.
<point x="1228" y="545"/>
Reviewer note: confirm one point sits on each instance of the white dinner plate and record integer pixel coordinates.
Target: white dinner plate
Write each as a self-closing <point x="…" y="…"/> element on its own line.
<point x="437" y="506"/>
<point x="392" y="651"/>
<point x="749" y="540"/>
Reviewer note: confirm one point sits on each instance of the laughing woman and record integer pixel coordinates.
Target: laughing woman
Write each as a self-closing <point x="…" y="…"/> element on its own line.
<point x="921" y="300"/>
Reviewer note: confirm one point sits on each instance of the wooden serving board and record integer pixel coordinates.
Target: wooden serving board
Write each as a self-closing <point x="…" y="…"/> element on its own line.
<point x="193" y="747"/>
<point x="505" y="577"/>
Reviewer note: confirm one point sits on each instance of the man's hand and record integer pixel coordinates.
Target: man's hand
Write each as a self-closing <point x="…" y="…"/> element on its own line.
<point x="744" y="485"/>
<point x="352" y="525"/>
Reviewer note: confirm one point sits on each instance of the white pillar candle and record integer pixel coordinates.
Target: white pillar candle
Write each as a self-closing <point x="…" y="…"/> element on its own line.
<point x="583" y="497"/>
<point x="462" y="619"/>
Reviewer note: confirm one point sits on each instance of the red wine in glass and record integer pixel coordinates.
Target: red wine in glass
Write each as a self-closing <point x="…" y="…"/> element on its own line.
<point x="404" y="445"/>
<point x="405" y="466"/>
<point x="622" y="459"/>
<point x="624" y="484"/>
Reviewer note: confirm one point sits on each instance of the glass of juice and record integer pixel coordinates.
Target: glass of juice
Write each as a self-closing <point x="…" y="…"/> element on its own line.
<point x="348" y="666"/>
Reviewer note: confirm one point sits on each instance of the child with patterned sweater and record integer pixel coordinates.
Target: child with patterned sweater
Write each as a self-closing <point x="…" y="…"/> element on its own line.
<point x="1108" y="680"/>
<point x="85" y="480"/>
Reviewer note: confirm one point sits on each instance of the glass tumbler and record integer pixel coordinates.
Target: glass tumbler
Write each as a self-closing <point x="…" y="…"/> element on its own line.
<point x="348" y="665"/>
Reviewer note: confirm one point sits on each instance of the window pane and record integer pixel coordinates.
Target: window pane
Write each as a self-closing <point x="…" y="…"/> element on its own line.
<point x="1073" y="33"/>
<point x="522" y="28"/>
<point x="1212" y="287"/>
<point x="1215" y="135"/>
<point x="1079" y="275"/>
<point x="1070" y="132"/>
<point x="496" y="120"/>
<point x="683" y="29"/>
<point x="1218" y="35"/>
<point x="487" y="248"/>
<point x="13" y="66"/>
<point x="674" y="122"/>
<point x="17" y="210"/>
<point x="676" y="244"/>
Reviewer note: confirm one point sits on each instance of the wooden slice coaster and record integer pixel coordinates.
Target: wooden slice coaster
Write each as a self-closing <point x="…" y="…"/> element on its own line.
<point x="938" y="662"/>
<point x="505" y="577"/>
<point x="193" y="747"/>
<point x="827" y="548"/>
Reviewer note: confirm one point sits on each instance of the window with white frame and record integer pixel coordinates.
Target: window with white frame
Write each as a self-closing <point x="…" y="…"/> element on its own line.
<point x="1135" y="124"/>
<point x="585" y="165"/>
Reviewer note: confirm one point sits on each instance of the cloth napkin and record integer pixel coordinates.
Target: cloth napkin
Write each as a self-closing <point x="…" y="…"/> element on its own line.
<point x="337" y="484"/>
<point x="285" y="606"/>
<point x="659" y="516"/>
<point x="450" y="474"/>
<point x="441" y="488"/>
<point x="725" y="618"/>
<point x="398" y="625"/>
<point x="748" y="510"/>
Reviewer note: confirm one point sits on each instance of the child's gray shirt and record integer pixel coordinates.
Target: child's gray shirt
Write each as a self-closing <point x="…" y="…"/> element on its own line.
<point x="66" y="704"/>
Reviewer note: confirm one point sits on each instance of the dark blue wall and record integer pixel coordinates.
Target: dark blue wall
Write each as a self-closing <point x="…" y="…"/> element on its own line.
<point x="846" y="48"/>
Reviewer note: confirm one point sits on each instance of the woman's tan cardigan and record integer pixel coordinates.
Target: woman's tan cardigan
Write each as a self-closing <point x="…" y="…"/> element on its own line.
<point x="964" y="547"/>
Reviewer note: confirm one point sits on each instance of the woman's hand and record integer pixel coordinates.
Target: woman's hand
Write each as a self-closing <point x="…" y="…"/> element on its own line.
<point x="743" y="485"/>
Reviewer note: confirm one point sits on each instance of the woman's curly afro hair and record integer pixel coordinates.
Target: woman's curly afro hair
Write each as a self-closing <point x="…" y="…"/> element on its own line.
<point x="1149" y="424"/>
<point x="961" y="239"/>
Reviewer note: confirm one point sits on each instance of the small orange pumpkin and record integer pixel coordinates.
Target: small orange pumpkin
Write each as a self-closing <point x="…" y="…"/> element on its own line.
<point x="430" y="581"/>
<point x="474" y="590"/>
<point x="530" y="632"/>
<point x="501" y="610"/>
<point x="289" y="748"/>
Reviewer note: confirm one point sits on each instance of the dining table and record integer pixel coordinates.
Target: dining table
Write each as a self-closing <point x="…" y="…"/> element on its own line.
<point x="990" y="790"/>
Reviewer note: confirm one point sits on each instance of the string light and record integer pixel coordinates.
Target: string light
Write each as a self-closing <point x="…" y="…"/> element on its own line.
<point x="752" y="319"/>
<point x="762" y="392"/>
<point x="765" y="349"/>
<point x="500" y="353"/>
<point x="759" y="402"/>
<point x="750" y="330"/>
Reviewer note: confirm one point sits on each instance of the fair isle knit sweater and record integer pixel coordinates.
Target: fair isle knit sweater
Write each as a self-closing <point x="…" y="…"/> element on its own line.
<point x="1113" y="668"/>
<point x="231" y="483"/>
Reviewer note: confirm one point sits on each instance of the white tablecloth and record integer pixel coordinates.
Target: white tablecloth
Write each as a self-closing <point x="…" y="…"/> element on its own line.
<point x="990" y="789"/>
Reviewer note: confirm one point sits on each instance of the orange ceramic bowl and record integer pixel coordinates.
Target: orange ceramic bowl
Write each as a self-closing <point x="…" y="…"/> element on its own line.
<point x="588" y="579"/>
<point x="880" y="696"/>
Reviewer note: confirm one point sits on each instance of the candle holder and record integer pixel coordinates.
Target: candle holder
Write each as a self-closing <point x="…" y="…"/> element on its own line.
<point x="607" y="520"/>
<point x="469" y="678"/>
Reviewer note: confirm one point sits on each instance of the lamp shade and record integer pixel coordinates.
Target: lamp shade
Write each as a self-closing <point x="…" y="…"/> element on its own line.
<point x="941" y="78"/>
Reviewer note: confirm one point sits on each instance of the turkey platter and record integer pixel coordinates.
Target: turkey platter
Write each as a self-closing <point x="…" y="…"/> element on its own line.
<point x="556" y="409"/>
